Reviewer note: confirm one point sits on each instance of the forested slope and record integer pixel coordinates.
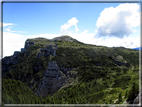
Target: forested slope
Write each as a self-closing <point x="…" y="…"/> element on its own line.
<point x="101" y="75"/>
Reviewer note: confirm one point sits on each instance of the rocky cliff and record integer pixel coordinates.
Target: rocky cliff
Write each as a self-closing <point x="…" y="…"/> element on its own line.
<point x="53" y="80"/>
<point x="8" y="61"/>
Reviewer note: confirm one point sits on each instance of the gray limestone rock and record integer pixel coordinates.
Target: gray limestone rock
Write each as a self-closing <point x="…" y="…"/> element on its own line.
<point x="54" y="53"/>
<point x="16" y="52"/>
<point x="49" y="50"/>
<point x="7" y="62"/>
<point x="28" y="44"/>
<point x="39" y="55"/>
<point x="10" y="60"/>
<point x="23" y="50"/>
<point x="52" y="81"/>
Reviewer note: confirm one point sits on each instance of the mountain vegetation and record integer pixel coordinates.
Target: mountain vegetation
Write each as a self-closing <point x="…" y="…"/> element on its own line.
<point x="102" y="74"/>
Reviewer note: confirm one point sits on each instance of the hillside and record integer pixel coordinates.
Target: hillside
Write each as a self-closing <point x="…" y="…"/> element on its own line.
<point x="64" y="70"/>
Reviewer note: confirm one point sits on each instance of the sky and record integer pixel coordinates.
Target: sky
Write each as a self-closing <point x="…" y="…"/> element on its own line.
<point x="105" y="24"/>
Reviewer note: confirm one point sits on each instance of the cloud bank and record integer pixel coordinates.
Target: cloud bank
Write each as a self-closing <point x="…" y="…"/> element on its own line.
<point x="118" y="21"/>
<point x="72" y="22"/>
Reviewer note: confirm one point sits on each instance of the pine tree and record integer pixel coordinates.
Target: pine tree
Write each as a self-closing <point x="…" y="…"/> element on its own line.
<point x="126" y="93"/>
<point x="134" y="90"/>
<point x="110" y="101"/>
<point x="120" y="97"/>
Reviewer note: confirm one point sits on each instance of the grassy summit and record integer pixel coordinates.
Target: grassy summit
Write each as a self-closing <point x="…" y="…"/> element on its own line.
<point x="103" y="74"/>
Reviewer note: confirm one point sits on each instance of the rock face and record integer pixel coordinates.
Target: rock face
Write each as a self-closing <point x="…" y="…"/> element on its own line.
<point x="52" y="81"/>
<point x="39" y="55"/>
<point x="28" y="43"/>
<point x="54" y="78"/>
<point x="16" y="52"/>
<point x="23" y="49"/>
<point x="7" y="62"/>
<point x="49" y="50"/>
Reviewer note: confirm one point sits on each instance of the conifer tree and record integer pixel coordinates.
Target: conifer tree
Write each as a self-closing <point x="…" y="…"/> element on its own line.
<point x="120" y="97"/>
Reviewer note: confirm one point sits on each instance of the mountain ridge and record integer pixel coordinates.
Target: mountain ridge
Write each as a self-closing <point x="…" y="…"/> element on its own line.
<point x="75" y="65"/>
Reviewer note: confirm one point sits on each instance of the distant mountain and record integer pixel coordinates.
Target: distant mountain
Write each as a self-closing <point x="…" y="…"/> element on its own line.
<point x="139" y="48"/>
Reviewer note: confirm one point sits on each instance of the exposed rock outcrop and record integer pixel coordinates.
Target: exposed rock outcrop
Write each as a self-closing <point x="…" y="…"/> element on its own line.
<point x="16" y="52"/>
<point x="39" y="55"/>
<point x="23" y="49"/>
<point x="7" y="62"/>
<point x="52" y="81"/>
<point x="118" y="60"/>
<point x="49" y="50"/>
<point x="28" y="44"/>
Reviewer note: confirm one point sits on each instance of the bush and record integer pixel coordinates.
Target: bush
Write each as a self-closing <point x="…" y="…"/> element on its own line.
<point x="133" y="92"/>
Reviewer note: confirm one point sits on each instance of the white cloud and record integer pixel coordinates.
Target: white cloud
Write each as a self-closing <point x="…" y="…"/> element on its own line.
<point x="10" y="31"/>
<point x="20" y="31"/>
<point x="12" y="42"/>
<point x="72" y="22"/>
<point x="7" y="30"/>
<point x="118" y="21"/>
<point x="85" y="31"/>
<point x="48" y="36"/>
<point x="127" y="42"/>
<point x="7" y="24"/>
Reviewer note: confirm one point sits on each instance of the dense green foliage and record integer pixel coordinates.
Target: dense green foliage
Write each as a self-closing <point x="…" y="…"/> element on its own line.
<point x="104" y="74"/>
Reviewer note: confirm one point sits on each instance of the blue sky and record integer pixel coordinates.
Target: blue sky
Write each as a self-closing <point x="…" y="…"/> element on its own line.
<point x="106" y="24"/>
<point x="38" y="18"/>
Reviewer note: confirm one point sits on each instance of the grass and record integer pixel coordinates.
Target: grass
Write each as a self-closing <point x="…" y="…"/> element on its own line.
<point x="102" y="74"/>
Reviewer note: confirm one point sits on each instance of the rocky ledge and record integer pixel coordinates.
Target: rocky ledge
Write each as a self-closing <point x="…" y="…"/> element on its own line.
<point x="53" y="80"/>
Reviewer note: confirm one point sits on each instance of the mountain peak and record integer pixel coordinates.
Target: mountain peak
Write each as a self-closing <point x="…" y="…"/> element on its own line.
<point x="64" y="38"/>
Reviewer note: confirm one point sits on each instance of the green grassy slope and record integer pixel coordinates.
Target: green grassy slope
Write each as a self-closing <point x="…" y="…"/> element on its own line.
<point x="104" y="74"/>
